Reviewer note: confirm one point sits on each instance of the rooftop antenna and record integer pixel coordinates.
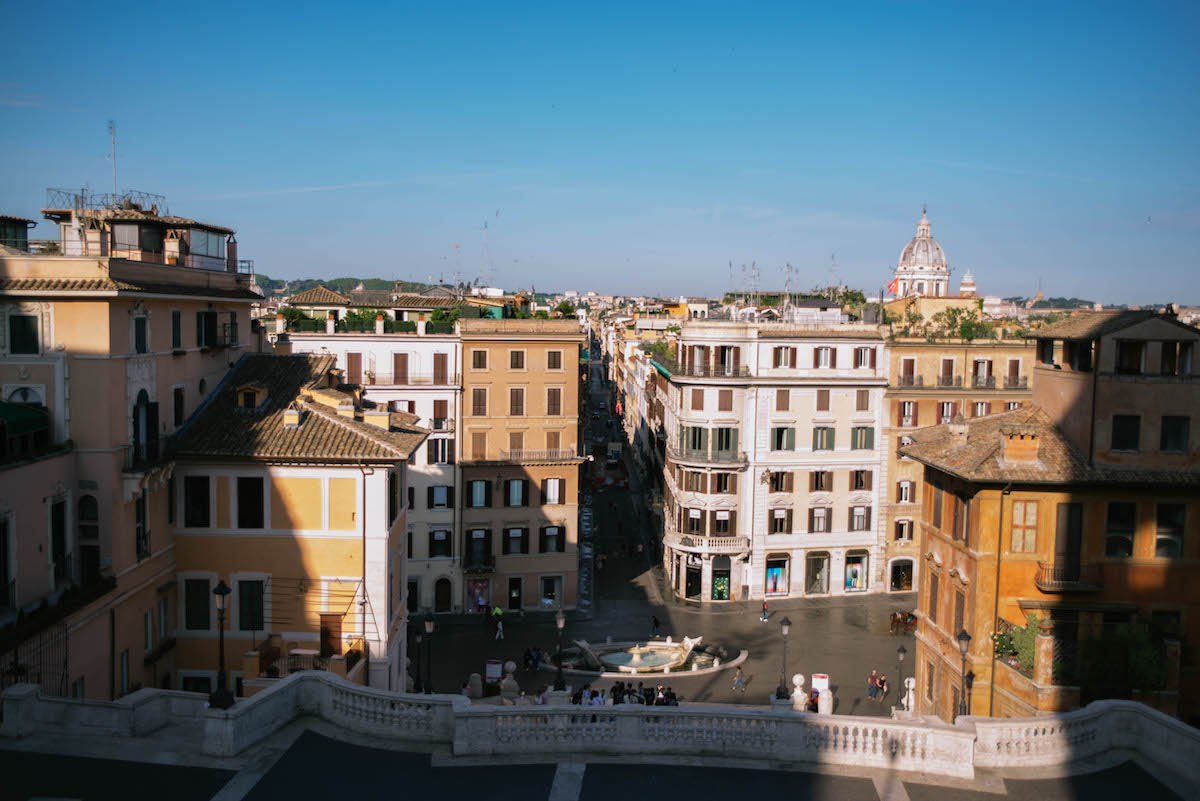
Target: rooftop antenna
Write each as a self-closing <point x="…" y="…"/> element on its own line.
<point x="787" y="288"/>
<point x="489" y="268"/>
<point x="112" y="136"/>
<point x="833" y="268"/>
<point x="754" y="281"/>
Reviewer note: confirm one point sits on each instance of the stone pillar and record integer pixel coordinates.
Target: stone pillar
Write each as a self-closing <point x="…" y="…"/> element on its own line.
<point x="798" y="696"/>
<point x="1173" y="652"/>
<point x="706" y="577"/>
<point x="330" y="324"/>
<point x="420" y="327"/>
<point x="557" y="698"/>
<point x="251" y="665"/>
<point x="509" y="689"/>
<point x="20" y="707"/>
<point x="379" y="324"/>
<point x="825" y="702"/>
<point x="337" y="665"/>
<point x="1043" y="654"/>
<point x="475" y="686"/>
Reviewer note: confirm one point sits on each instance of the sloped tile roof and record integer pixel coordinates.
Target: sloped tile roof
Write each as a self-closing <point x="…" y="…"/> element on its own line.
<point x="318" y="296"/>
<point x="111" y="285"/>
<point x="371" y="298"/>
<point x="1091" y="324"/>
<point x="981" y="456"/>
<point x="410" y="301"/>
<point x="223" y="429"/>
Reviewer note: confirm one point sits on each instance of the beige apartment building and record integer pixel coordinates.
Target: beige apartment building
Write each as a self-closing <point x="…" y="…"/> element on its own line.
<point x="518" y="512"/>
<point x="111" y="336"/>
<point x="933" y="382"/>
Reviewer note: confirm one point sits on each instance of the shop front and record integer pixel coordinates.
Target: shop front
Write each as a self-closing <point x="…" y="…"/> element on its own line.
<point x="778" y="574"/>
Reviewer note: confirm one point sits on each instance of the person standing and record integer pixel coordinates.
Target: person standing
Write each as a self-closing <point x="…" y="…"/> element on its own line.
<point x="739" y="684"/>
<point x="654" y="627"/>
<point x="764" y="614"/>
<point x="872" y="685"/>
<point x="499" y="629"/>
<point x="883" y="689"/>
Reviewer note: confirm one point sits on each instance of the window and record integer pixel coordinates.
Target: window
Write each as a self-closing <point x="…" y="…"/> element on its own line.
<point x="905" y="441"/>
<point x="196" y="604"/>
<point x="904" y="529"/>
<point x="478" y="445"/>
<point x="961" y="526"/>
<point x="904" y="492"/>
<point x="820" y="481"/>
<point x="439" y="544"/>
<point x="554" y="401"/>
<point x="781" y="521"/>
<point x="479" y="494"/>
<point x="516" y="360"/>
<point x="249" y="399"/>
<point x="860" y="479"/>
<point x="862" y="438"/>
<point x="516" y="402"/>
<point x="822" y="439"/>
<point x="783" y="357"/>
<point x="981" y="408"/>
<point x="177" y="410"/>
<point x="929" y="682"/>
<point x="1024" y="526"/>
<point x="859" y="518"/>
<point x="782" y="396"/>
<point x="125" y="672"/>
<point x="726" y="440"/>
<point x="22" y="333"/>
<point x="148" y="630"/>
<point x="553" y="440"/>
<point x="439" y="451"/>
<point x="1131" y="357"/>
<point x="783" y="439"/>
<point x="1118" y="535"/>
<point x="781" y="482"/>
<point x="818" y="520"/>
<point x="553" y="539"/>
<point x="195" y="502"/>
<point x="908" y="413"/>
<point x="864" y="358"/>
<point x="162" y="618"/>
<point x="140" y="335"/>
<point x="694" y="482"/>
<point x="393" y="490"/>
<point x="823" y="357"/>
<point x="697" y="438"/>
<point x="695" y="521"/>
<point x="250" y="605"/>
<point x="250" y="501"/>
<point x="479" y="402"/>
<point x="936" y="518"/>
<point x="725" y="400"/>
<point x="412" y="497"/>
<point x="516" y="540"/>
<point x="479" y="360"/>
<point x="720" y="523"/>
<point x="516" y="441"/>
<point x="932" y="601"/>
<point x="439" y="496"/>
<point x="1173" y="437"/>
<point x="141" y="527"/>
<point x="553" y="491"/>
<point x="862" y="400"/>
<point x="516" y="492"/>
<point x="1012" y="405"/>
<point x="822" y="400"/>
<point x="554" y="360"/>
<point x="1125" y="429"/>
<point x="1168" y="535"/>
<point x="960" y="609"/>
<point x="945" y="411"/>
<point x="206" y="329"/>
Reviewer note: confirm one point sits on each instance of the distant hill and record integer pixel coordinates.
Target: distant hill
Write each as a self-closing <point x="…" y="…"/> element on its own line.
<point x="273" y="286"/>
<point x="1054" y="303"/>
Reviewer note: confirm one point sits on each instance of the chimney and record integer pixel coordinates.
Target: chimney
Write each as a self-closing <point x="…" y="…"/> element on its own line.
<point x="346" y="410"/>
<point x="231" y="259"/>
<point x="379" y="324"/>
<point x="378" y="418"/>
<point x="958" y="434"/>
<point x="291" y="417"/>
<point x="280" y="323"/>
<point x="1020" y="444"/>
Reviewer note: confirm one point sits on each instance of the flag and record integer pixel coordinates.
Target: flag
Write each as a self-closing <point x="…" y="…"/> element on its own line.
<point x="892" y="287"/>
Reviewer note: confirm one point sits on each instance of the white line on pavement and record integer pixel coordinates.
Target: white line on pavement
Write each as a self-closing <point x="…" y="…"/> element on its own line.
<point x="568" y="781"/>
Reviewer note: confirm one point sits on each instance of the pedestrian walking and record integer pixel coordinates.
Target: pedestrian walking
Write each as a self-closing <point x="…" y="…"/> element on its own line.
<point x="883" y="688"/>
<point x="739" y="684"/>
<point x="654" y="626"/>
<point x="499" y="629"/>
<point x="872" y="685"/>
<point x="764" y="614"/>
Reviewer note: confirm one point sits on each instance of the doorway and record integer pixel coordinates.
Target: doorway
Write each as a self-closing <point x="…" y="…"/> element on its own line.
<point x="720" y="578"/>
<point x="331" y="634"/>
<point x="441" y="595"/>
<point x="353" y="368"/>
<point x="514" y="593"/>
<point x="816" y="579"/>
<point x="1068" y="541"/>
<point x="902" y="574"/>
<point x="692" y="582"/>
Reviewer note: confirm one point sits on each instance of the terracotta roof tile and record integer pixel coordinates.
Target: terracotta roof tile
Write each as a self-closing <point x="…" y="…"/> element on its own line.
<point x="981" y="456"/>
<point x="319" y="295"/>
<point x="1091" y="324"/>
<point x="111" y="285"/>
<point x="223" y="429"/>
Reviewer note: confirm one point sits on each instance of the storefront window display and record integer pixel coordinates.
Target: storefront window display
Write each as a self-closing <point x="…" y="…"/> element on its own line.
<point x="856" y="572"/>
<point x="777" y="577"/>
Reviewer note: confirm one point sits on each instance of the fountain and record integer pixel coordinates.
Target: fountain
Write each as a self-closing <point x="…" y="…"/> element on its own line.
<point x="641" y="657"/>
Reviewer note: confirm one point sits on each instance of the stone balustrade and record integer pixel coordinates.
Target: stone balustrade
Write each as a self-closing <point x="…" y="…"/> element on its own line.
<point x="1104" y="729"/>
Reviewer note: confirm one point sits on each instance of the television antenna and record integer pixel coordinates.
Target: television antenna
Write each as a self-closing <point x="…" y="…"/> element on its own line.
<point x="112" y="137"/>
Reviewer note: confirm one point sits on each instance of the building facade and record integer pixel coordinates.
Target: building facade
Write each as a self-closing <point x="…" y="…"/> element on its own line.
<point x="775" y="466"/>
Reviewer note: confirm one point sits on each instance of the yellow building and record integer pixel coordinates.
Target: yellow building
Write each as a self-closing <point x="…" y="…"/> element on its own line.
<point x="520" y="464"/>
<point x="932" y="382"/>
<point x="293" y="496"/>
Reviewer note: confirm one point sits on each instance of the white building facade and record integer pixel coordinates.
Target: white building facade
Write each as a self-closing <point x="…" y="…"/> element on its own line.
<point x="775" y="461"/>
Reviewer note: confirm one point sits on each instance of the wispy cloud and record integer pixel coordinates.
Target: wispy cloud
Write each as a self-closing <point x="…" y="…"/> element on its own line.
<point x="20" y="102"/>
<point x="300" y="190"/>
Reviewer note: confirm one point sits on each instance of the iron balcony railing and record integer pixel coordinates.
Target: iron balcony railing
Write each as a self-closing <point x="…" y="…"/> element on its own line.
<point x="1016" y="382"/>
<point x="144" y="455"/>
<point x="910" y="381"/>
<point x="949" y="381"/>
<point x="1068" y="576"/>
<point x="983" y="382"/>
<point x="104" y="247"/>
<point x="479" y="563"/>
<point x="700" y="455"/>
<point x="702" y="370"/>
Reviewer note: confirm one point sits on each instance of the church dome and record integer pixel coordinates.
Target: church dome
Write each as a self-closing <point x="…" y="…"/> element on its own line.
<point x="923" y="252"/>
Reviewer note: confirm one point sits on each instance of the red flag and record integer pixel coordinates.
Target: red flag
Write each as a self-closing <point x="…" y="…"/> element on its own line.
<point x="893" y="287"/>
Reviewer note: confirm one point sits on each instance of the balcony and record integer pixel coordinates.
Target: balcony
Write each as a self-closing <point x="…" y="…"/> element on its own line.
<point x="143" y="456"/>
<point x="479" y="563"/>
<point x="441" y="424"/>
<point x="910" y="381"/>
<point x="701" y="543"/>
<point x="1068" y="577"/>
<point x="949" y="381"/>
<point x="702" y="370"/>
<point x="378" y="378"/>
<point x="539" y="455"/>
<point x="732" y="458"/>
<point x="983" y="382"/>
<point x="1016" y="382"/>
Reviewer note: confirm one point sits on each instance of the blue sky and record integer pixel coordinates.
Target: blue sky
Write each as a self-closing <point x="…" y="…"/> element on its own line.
<point x="636" y="147"/>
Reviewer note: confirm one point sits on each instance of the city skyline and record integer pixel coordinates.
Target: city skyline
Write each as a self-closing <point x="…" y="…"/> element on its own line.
<point x="1049" y="148"/>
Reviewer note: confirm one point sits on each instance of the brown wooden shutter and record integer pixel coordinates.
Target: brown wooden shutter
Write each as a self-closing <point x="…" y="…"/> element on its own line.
<point x="712" y="521"/>
<point x="812" y="480"/>
<point x="816" y="357"/>
<point x="431" y="451"/>
<point x="400" y="368"/>
<point x="441" y="409"/>
<point x="870" y="483"/>
<point x="812" y="519"/>
<point x="703" y="525"/>
<point x="850" y="519"/>
<point x="789" y="481"/>
<point x="833" y="357"/>
<point x="545" y="491"/>
<point x="732" y="523"/>
<point x="916" y="413"/>
<point x="791" y="357"/>
<point x="953" y="409"/>
<point x="449" y="451"/>
<point x="429" y="497"/>
<point x="868" y="519"/>
<point x="775" y="354"/>
<point x="733" y="478"/>
<point x="542" y="539"/>
<point x="872" y="358"/>
<point x="787" y="522"/>
<point x="704" y="483"/>
<point x="988" y="407"/>
<point x="737" y="358"/>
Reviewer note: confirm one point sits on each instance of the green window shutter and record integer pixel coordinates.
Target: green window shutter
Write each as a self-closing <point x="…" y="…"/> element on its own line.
<point x="816" y="446"/>
<point x="733" y="440"/>
<point x="831" y="438"/>
<point x="791" y="439"/>
<point x="704" y="440"/>
<point x="870" y="443"/>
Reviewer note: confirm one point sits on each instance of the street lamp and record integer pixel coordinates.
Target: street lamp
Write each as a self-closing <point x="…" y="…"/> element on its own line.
<point x="419" y="686"/>
<point x="964" y="643"/>
<point x="428" y="654"/>
<point x="900" y="653"/>
<point x="560" y="620"/>
<point x="781" y="692"/>
<point x="222" y="698"/>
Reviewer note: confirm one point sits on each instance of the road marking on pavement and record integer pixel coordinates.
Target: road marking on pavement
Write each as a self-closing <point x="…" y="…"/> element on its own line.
<point x="568" y="781"/>
<point x="889" y="788"/>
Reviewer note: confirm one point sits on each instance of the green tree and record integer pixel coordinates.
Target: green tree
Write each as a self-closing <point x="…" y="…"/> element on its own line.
<point x="566" y="309"/>
<point x="540" y="314"/>
<point x="291" y="314"/>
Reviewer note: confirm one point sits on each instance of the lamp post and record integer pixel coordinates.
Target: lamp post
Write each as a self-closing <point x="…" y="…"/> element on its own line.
<point x="429" y="654"/>
<point x="419" y="686"/>
<point x="781" y="692"/>
<point x="560" y="620"/>
<point x="222" y="698"/>
<point x="900" y="653"/>
<point x="964" y="643"/>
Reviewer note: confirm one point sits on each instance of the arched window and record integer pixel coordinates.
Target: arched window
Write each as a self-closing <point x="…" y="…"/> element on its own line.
<point x="901" y="578"/>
